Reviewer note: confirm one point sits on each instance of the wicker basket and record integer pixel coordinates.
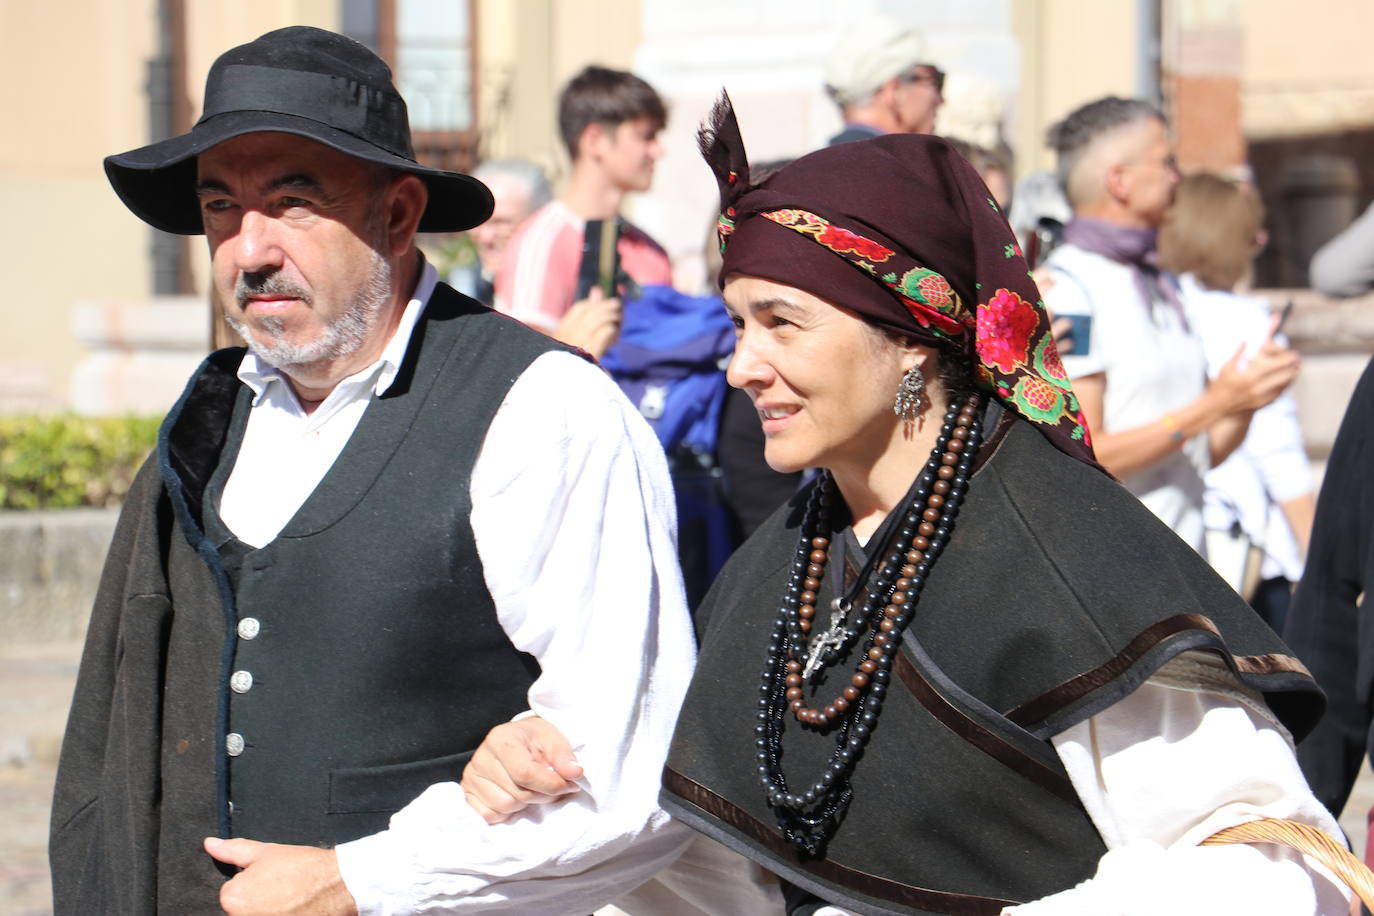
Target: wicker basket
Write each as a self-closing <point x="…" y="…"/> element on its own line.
<point x="1306" y="839"/>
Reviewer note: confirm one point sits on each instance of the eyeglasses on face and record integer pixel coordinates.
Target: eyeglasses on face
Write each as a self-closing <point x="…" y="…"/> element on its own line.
<point x="924" y="74"/>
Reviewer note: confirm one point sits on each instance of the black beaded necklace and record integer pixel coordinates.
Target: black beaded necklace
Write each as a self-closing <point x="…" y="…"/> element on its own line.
<point x="809" y="818"/>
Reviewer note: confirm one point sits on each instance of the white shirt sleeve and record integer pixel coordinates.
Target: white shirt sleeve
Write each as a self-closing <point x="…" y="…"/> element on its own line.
<point x="1187" y="754"/>
<point x="1274" y="442"/>
<point x="707" y="880"/>
<point x="574" y="520"/>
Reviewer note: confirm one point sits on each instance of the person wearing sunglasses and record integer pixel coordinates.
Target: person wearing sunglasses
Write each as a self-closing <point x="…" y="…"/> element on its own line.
<point x="883" y="78"/>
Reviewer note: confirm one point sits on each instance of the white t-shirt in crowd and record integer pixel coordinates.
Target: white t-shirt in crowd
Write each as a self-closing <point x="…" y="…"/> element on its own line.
<point x="1154" y="364"/>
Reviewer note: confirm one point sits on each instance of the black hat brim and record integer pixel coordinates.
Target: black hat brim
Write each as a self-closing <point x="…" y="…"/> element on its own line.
<point x="157" y="182"/>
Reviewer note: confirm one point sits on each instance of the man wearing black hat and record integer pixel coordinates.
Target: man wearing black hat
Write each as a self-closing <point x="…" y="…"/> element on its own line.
<point x="396" y="521"/>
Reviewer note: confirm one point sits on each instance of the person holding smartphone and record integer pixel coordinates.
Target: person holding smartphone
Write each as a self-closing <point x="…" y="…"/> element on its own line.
<point x="1259" y="501"/>
<point x="1137" y="363"/>
<point x="609" y="121"/>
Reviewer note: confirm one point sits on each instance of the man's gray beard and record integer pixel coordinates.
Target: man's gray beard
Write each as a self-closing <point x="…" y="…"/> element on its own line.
<point x="342" y="335"/>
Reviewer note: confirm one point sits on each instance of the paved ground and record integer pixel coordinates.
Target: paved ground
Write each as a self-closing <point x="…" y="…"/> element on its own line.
<point x="35" y="688"/>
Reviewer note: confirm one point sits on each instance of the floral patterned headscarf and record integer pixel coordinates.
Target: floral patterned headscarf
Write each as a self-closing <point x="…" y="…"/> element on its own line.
<point x="901" y="230"/>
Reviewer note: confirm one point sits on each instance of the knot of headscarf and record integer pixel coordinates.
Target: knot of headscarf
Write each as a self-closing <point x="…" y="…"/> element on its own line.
<point x="901" y="230"/>
<point x="1137" y="249"/>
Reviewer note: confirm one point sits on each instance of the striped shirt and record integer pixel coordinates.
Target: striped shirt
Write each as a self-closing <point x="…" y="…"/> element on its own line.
<point x="538" y="275"/>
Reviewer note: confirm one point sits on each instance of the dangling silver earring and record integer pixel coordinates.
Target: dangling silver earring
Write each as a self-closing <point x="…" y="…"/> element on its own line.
<point x="910" y="395"/>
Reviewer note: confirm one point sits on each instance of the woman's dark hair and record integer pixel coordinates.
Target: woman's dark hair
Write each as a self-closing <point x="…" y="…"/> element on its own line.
<point x="956" y="366"/>
<point x="599" y="95"/>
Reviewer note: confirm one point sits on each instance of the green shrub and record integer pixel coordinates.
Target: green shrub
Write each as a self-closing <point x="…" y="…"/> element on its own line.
<point x="63" y="461"/>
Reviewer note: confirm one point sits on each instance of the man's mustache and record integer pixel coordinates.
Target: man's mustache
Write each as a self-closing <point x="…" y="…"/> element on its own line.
<point x="260" y="285"/>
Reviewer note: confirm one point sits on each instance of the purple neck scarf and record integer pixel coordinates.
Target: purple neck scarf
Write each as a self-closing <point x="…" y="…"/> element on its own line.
<point x="1133" y="247"/>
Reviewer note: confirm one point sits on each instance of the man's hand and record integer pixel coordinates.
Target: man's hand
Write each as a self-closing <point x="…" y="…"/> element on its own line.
<point x="592" y="323"/>
<point x="276" y="879"/>
<point x="521" y="763"/>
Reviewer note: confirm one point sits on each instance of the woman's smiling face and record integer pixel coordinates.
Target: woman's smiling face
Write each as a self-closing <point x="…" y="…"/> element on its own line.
<point x="822" y="380"/>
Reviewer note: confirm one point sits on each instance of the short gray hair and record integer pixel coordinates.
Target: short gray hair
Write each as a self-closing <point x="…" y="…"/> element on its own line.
<point x="1073" y="137"/>
<point x="527" y="173"/>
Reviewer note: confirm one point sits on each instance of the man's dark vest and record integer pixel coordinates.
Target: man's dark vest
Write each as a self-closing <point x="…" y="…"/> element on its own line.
<point x="1057" y="595"/>
<point x="372" y="663"/>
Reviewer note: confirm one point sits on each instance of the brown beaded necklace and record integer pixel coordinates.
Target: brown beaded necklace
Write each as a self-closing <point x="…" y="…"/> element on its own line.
<point x="896" y="605"/>
<point x="808" y="816"/>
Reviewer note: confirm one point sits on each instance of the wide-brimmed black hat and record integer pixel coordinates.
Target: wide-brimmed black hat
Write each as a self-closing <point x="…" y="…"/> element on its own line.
<point x="302" y="81"/>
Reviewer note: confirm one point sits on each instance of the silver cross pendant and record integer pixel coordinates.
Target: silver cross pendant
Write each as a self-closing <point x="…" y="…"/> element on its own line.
<point x="830" y="638"/>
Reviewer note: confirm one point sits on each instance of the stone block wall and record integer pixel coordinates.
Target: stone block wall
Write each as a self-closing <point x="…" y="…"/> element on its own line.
<point x="1336" y="340"/>
<point x="50" y="563"/>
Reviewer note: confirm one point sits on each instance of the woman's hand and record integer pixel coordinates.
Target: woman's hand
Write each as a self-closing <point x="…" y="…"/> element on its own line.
<point x="521" y="763"/>
<point x="592" y="323"/>
<point x="1239" y="390"/>
<point x="1258" y="382"/>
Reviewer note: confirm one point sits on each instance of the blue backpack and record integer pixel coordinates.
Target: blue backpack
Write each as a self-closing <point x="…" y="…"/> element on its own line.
<point x="670" y="362"/>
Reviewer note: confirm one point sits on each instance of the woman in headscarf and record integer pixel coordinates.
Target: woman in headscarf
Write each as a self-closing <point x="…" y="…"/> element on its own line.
<point x="963" y="669"/>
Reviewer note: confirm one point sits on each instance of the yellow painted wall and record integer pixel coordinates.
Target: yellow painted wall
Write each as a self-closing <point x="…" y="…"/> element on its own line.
<point x="214" y="26"/>
<point x="1308" y="73"/>
<point x="1072" y="51"/>
<point x="1327" y="43"/>
<point x="527" y="50"/>
<point x="69" y="69"/>
<point x="75" y="72"/>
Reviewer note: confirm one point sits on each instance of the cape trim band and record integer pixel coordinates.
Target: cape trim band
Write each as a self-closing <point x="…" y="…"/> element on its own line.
<point x="990" y="743"/>
<point x="827" y="870"/>
<point x="1042" y="707"/>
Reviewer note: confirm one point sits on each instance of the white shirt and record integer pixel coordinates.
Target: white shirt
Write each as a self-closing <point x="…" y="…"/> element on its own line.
<point x="286" y="452"/>
<point x="593" y="593"/>
<point x="1270" y="466"/>
<point x="1153" y="365"/>
<point x="1188" y="753"/>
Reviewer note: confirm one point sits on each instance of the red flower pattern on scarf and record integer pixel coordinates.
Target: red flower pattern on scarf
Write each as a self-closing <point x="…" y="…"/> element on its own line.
<point x="1005" y="325"/>
<point x="1053" y="365"/>
<point x="936" y="289"/>
<point x="837" y="239"/>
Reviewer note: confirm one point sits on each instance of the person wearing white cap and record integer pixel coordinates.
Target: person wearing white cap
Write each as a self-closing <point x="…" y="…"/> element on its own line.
<point x="882" y="76"/>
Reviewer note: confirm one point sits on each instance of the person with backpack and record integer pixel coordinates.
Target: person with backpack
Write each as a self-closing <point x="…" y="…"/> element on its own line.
<point x="609" y="121"/>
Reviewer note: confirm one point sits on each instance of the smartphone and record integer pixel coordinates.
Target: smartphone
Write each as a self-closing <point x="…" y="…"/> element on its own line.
<point x="600" y="258"/>
<point x="1080" y="334"/>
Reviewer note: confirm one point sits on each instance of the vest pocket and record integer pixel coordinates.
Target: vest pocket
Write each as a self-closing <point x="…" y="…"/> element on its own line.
<point x="389" y="788"/>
